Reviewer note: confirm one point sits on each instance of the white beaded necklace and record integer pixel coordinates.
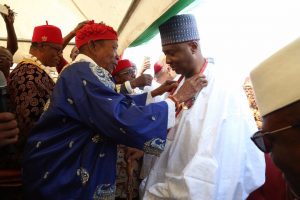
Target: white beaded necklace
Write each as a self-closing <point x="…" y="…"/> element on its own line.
<point x="51" y="71"/>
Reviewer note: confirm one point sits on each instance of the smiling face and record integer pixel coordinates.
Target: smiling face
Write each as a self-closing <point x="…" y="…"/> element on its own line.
<point x="181" y="57"/>
<point x="285" y="150"/>
<point x="48" y="53"/>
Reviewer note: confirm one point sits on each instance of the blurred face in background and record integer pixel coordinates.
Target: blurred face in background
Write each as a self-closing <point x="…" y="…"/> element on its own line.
<point x="124" y="75"/>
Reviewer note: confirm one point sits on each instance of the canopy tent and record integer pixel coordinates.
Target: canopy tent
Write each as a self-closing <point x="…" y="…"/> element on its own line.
<point x="135" y="20"/>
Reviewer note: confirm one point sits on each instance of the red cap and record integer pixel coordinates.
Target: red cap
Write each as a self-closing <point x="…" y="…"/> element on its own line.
<point x="157" y="67"/>
<point x="122" y="64"/>
<point x="94" y="31"/>
<point x="47" y="33"/>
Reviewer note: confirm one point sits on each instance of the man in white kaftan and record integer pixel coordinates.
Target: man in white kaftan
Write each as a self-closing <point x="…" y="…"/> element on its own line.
<point x="208" y="154"/>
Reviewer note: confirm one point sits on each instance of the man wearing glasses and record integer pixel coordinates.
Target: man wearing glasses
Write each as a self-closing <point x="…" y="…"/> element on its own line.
<point x="125" y="78"/>
<point x="276" y="84"/>
<point x="32" y="81"/>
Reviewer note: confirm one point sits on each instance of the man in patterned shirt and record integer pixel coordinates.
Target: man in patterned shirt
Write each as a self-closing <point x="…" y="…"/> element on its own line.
<point x="32" y="81"/>
<point x="30" y="86"/>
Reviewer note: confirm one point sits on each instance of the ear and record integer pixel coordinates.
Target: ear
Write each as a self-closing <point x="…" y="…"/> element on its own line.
<point x="194" y="46"/>
<point x="91" y="45"/>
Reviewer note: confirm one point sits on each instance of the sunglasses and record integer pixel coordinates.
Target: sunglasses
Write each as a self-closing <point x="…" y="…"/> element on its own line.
<point x="263" y="143"/>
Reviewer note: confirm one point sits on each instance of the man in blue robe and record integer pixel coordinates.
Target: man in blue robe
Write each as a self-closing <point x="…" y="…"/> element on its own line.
<point x="71" y="152"/>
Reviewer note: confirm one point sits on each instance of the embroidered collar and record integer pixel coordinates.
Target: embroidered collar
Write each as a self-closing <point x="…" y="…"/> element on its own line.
<point x="50" y="71"/>
<point x="102" y="74"/>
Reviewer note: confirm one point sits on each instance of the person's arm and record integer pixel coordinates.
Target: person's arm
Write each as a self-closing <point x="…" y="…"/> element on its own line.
<point x="128" y="86"/>
<point x="8" y="129"/>
<point x="72" y="34"/>
<point x="12" y="42"/>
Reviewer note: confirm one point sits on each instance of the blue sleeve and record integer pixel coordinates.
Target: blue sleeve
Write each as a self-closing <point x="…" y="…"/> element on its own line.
<point x="139" y="99"/>
<point x="124" y="119"/>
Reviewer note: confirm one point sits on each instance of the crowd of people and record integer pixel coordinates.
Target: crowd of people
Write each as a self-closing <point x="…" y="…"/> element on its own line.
<point x="89" y="129"/>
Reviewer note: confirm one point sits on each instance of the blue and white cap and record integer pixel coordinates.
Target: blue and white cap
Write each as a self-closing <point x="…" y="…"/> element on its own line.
<point x="179" y="28"/>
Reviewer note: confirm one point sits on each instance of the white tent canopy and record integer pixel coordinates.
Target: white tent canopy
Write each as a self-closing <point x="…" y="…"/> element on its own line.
<point x="129" y="17"/>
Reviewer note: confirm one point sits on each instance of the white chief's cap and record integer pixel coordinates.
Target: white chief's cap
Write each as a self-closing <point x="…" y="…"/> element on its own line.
<point x="276" y="81"/>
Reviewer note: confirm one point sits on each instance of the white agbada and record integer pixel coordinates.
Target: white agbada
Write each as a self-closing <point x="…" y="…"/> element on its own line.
<point x="209" y="154"/>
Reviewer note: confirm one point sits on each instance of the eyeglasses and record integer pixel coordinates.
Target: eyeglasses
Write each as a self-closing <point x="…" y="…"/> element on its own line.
<point x="129" y="72"/>
<point x="57" y="49"/>
<point x="263" y="143"/>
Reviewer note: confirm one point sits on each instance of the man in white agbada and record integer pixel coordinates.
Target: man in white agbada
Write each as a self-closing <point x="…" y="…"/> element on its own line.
<point x="208" y="154"/>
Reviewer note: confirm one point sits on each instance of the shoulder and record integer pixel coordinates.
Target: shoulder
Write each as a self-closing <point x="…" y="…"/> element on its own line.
<point x="25" y="72"/>
<point x="24" y="68"/>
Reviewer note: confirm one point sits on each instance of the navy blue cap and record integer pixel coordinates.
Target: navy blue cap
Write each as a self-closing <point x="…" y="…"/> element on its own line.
<point x="179" y="28"/>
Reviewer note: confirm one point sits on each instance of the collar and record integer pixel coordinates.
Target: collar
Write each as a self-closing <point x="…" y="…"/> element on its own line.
<point x="50" y="71"/>
<point x="81" y="57"/>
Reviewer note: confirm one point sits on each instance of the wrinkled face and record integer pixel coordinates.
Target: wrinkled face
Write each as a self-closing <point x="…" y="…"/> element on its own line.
<point x="180" y="57"/>
<point x="127" y="74"/>
<point x="50" y="54"/>
<point x="286" y="144"/>
<point x="105" y="54"/>
<point x="6" y="61"/>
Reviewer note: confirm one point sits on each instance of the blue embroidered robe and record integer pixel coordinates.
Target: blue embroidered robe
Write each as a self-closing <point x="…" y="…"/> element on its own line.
<point x="71" y="152"/>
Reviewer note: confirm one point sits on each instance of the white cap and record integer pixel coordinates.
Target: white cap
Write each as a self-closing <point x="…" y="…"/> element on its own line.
<point x="276" y="81"/>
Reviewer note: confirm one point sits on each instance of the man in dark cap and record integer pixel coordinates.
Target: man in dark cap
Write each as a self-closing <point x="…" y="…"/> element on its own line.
<point x="208" y="153"/>
<point x="76" y="159"/>
<point x="276" y="85"/>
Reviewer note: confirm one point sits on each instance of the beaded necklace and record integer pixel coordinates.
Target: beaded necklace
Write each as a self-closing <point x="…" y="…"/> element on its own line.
<point x="50" y="71"/>
<point x="189" y="103"/>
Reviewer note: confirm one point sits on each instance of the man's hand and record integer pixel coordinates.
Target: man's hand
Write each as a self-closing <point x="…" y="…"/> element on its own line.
<point x="79" y="26"/>
<point x="141" y="81"/>
<point x="145" y="66"/>
<point x="132" y="154"/>
<point x="165" y="87"/>
<point x="190" y="87"/>
<point x="10" y="18"/>
<point x="8" y="129"/>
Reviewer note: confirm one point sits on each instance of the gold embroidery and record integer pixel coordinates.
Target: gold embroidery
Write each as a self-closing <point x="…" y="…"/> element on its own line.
<point x="97" y="138"/>
<point x="44" y="38"/>
<point x="84" y="175"/>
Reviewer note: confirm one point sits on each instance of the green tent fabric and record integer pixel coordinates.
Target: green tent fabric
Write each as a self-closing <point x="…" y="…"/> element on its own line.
<point x="150" y="32"/>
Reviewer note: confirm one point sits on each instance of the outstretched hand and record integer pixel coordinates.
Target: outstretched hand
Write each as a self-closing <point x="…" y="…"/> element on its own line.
<point x="10" y="18"/>
<point x="165" y="87"/>
<point x="190" y="87"/>
<point x="79" y="26"/>
<point x="141" y="81"/>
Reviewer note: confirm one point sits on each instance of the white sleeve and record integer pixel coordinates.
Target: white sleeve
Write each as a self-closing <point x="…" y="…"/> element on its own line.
<point x="128" y="87"/>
